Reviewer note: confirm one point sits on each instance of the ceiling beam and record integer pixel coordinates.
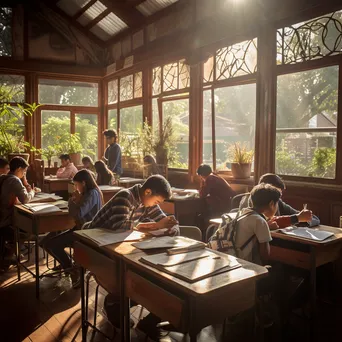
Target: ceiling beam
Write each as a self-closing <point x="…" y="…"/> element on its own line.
<point x="97" y="19"/>
<point x="74" y="23"/>
<point x="131" y="16"/>
<point x="134" y="3"/>
<point x="83" y="9"/>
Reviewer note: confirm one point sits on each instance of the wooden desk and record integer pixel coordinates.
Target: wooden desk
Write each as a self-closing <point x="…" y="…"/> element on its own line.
<point x="52" y="185"/>
<point x="109" y="191"/>
<point x="36" y="224"/>
<point x="127" y="182"/>
<point x="184" y="305"/>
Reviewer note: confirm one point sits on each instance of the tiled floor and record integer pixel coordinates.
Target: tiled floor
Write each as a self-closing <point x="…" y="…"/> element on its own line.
<point x="56" y="316"/>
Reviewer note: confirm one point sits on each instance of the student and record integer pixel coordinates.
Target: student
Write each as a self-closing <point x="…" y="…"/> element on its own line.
<point x="104" y="175"/>
<point x="151" y="165"/>
<point x="88" y="164"/>
<point x="68" y="169"/>
<point x="12" y="191"/>
<point x="215" y="190"/>
<point x="4" y="166"/>
<point x="113" y="152"/>
<point x="136" y="207"/>
<point x="84" y="203"/>
<point x="252" y="234"/>
<point x="292" y="216"/>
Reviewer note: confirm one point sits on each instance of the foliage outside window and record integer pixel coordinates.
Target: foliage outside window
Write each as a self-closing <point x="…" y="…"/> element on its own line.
<point x="112" y="119"/>
<point x="14" y="87"/>
<point x="86" y="126"/>
<point x="70" y="93"/>
<point x="307" y="105"/>
<point x="5" y="31"/>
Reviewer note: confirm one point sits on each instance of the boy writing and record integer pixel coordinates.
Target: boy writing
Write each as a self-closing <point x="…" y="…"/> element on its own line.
<point x="113" y="152"/>
<point x="68" y="169"/>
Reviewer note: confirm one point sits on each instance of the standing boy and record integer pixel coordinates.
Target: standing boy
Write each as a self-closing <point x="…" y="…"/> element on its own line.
<point x="68" y="169"/>
<point x="113" y="152"/>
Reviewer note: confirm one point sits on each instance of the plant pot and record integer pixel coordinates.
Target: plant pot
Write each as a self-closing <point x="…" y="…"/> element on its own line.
<point x="75" y="158"/>
<point x="161" y="155"/>
<point x="241" y="171"/>
<point x="25" y="156"/>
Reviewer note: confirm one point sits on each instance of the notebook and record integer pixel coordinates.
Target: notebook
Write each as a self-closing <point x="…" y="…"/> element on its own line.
<point x="109" y="188"/>
<point x="42" y="208"/>
<point x="104" y="237"/>
<point x="307" y="233"/>
<point x="195" y="268"/>
<point x="168" y="242"/>
<point x="61" y="204"/>
<point x="44" y="198"/>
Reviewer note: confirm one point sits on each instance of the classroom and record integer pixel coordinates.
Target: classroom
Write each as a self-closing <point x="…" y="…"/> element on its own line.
<point x="170" y="170"/>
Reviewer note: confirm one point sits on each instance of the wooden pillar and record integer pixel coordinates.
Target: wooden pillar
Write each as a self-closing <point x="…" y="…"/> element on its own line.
<point x="195" y="119"/>
<point x="266" y="102"/>
<point x="147" y="95"/>
<point x="32" y="131"/>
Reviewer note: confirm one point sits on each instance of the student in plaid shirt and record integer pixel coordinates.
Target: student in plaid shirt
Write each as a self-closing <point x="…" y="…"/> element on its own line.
<point x="137" y="207"/>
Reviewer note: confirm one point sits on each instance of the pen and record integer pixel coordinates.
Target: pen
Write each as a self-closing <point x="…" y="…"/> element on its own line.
<point x="305" y="206"/>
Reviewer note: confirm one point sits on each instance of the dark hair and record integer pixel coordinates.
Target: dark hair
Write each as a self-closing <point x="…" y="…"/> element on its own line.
<point x="3" y="162"/>
<point x="87" y="159"/>
<point x="110" y="133"/>
<point x="87" y="177"/>
<point x="204" y="170"/>
<point x="153" y="166"/>
<point x="159" y="186"/>
<point x="273" y="179"/>
<point x="262" y="194"/>
<point x="18" y="162"/>
<point x="64" y="157"/>
<point x="104" y="175"/>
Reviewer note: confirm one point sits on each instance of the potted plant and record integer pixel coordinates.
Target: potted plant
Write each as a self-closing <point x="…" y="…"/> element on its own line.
<point x="47" y="152"/>
<point x="241" y="160"/>
<point x="128" y="145"/>
<point x="70" y="143"/>
<point x="12" y="141"/>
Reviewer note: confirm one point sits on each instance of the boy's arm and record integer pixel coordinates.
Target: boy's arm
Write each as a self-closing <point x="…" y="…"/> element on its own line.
<point x="264" y="252"/>
<point x="263" y="236"/>
<point x="205" y="188"/>
<point x="22" y="194"/>
<point x="113" y="158"/>
<point x="62" y="172"/>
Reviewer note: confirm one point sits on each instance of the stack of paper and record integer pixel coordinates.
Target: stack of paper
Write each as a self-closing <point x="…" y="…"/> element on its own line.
<point x="42" y="208"/>
<point x="307" y="233"/>
<point x="43" y="197"/>
<point x="192" y="266"/>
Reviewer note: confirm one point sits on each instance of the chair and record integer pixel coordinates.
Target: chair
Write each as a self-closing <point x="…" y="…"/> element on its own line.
<point x="191" y="232"/>
<point x="235" y="204"/>
<point x="39" y="172"/>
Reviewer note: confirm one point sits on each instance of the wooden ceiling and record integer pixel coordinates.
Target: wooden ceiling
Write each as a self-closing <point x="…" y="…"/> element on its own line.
<point x="107" y="21"/>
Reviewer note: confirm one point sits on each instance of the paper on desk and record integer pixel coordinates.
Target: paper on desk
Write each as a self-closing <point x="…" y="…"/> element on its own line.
<point x="104" y="237"/>
<point x="44" y="197"/>
<point x="42" y="208"/>
<point x="109" y="187"/>
<point x="307" y="233"/>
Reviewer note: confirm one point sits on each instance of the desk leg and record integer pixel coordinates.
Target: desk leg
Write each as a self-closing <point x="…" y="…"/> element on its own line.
<point x="83" y="308"/>
<point x="17" y="251"/>
<point x="193" y="336"/>
<point x="122" y="301"/>
<point x="36" y="250"/>
<point x="312" y="292"/>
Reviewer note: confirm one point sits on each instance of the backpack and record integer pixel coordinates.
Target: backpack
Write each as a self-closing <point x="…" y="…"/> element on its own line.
<point x="223" y="239"/>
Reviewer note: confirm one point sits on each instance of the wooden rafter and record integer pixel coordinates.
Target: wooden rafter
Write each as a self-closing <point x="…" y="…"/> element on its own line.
<point x="98" y="19"/>
<point x="131" y="16"/>
<point x="83" y="9"/>
<point x="134" y="3"/>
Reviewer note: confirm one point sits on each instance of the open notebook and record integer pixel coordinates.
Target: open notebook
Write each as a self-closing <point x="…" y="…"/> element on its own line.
<point x="42" y="208"/>
<point x="192" y="266"/>
<point x="307" y="233"/>
<point x="42" y="197"/>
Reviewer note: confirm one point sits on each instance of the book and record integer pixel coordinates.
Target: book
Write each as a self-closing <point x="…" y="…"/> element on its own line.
<point x="196" y="269"/>
<point x="109" y="188"/>
<point x="42" y="208"/>
<point x="104" y="237"/>
<point x="307" y="233"/>
<point x="167" y="242"/>
<point x="61" y="204"/>
<point x="42" y="197"/>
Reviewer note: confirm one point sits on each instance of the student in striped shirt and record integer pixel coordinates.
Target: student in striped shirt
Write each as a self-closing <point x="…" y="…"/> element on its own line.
<point x="138" y="207"/>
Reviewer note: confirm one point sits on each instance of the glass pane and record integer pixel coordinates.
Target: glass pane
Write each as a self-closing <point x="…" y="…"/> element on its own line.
<point x="178" y="110"/>
<point x="138" y="85"/>
<point x="307" y="105"/>
<point x="208" y="70"/>
<point x="112" y="119"/>
<point x="131" y="119"/>
<point x="55" y="125"/>
<point x="156" y="87"/>
<point x="5" y="31"/>
<point x="87" y="128"/>
<point x="235" y="109"/>
<point x="184" y="75"/>
<point x="236" y="60"/>
<point x="12" y="88"/>
<point x="126" y="88"/>
<point x="155" y="114"/>
<point x="207" y="129"/>
<point x="170" y="75"/>
<point x="68" y="93"/>
<point x="113" y="94"/>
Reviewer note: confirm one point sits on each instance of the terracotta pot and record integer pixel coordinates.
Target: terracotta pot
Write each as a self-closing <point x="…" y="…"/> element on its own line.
<point x="25" y="156"/>
<point x="75" y="158"/>
<point x="241" y="171"/>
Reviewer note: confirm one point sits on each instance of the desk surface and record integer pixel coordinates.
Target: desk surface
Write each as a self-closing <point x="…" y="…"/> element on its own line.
<point x="26" y="211"/>
<point x="47" y="179"/>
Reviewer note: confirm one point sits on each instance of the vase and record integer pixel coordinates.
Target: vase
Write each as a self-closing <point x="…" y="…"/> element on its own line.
<point x="25" y="156"/>
<point x="241" y="171"/>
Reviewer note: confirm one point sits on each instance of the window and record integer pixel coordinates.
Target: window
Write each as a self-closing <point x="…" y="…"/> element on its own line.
<point x="113" y="92"/>
<point x="229" y="112"/>
<point x="112" y="119"/>
<point x="12" y="88"/>
<point x="307" y="105"/>
<point x="86" y="127"/>
<point x="69" y="93"/>
<point x="5" y="31"/>
<point x="131" y="120"/>
<point x="130" y="87"/>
